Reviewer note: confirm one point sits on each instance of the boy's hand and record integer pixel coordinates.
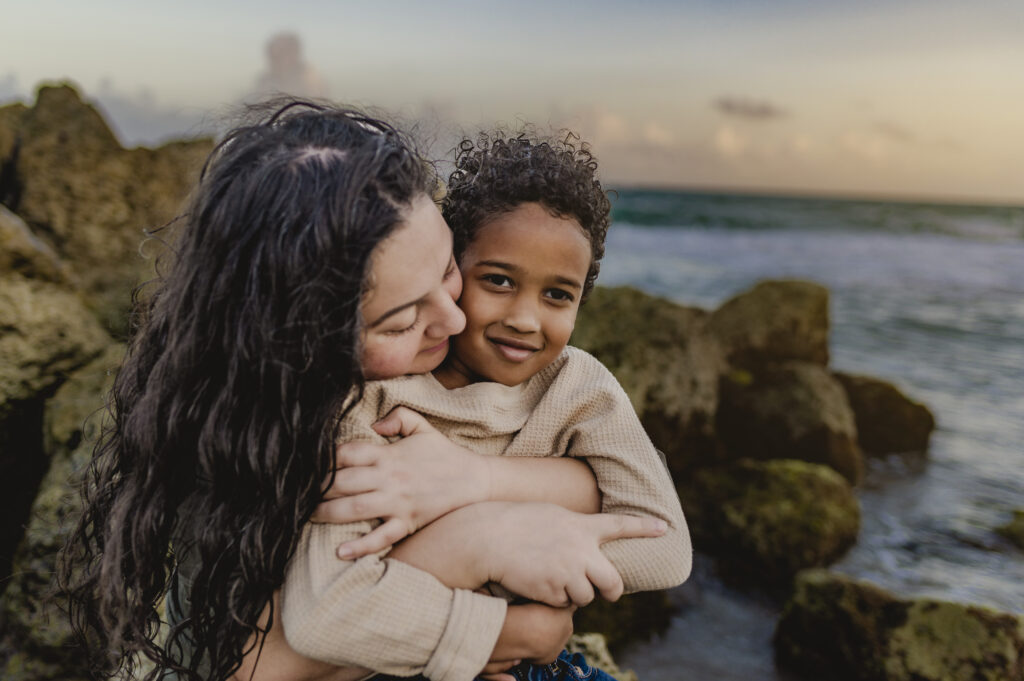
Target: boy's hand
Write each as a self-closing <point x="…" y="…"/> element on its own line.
<point x="409" y="483"/>
<point x="533" y="632"/>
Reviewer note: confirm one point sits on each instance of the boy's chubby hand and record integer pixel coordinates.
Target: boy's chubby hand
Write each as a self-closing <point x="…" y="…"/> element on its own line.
<point x="409" y="483"/>
<point x="533" y="632"/>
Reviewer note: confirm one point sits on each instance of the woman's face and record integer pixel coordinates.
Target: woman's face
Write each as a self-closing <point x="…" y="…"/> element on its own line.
<point x="409" y="311"/>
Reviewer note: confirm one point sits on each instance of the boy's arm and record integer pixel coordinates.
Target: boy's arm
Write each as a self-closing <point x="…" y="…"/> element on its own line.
<point x="631" y="475"/>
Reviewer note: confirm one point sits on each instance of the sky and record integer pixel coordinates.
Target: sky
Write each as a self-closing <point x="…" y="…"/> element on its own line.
<point x="905" y="98"/>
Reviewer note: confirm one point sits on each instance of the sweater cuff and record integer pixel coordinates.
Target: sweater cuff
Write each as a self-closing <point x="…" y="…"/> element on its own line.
<point x="469" y="637"/>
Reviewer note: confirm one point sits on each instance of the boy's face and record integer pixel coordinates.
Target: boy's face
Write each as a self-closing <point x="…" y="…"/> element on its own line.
<point x="523" y="275"/>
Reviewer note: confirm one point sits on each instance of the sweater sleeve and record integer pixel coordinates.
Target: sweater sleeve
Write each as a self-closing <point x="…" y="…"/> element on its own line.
<point x="379" y="613"/>
<point x="631" y="475"/>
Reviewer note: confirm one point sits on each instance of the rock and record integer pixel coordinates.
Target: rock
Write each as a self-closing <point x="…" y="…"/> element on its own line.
<point x="594" y="648"/>
<point x="34" y="622"/>
<point x="11" y="117"/>
<point x="773" y="322"/>
<point x="794" y="410"/>
<point x="92" y="200"/>
<point x="1014" y="530"/>
<point x="838" y="628"/>
<point x="665" y="360"/>
<point x="764" y="521"/>
<point x="887" y="420"/>
<point x="633" y="617"/>
<point x="21" y="252"/>
<point x="45" y="334"/>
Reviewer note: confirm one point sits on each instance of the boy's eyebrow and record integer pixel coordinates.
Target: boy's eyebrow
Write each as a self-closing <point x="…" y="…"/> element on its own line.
<point x="565" y="281"/>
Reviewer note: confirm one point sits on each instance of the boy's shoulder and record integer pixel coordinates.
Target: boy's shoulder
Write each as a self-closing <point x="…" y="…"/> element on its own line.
<point x="579" y="365"/>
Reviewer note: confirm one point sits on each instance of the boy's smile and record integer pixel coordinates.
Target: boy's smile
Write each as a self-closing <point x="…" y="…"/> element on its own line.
<point x="523" y="274"/>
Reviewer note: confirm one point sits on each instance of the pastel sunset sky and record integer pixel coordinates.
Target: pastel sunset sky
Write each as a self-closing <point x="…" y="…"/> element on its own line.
<point x="906" y="98"/>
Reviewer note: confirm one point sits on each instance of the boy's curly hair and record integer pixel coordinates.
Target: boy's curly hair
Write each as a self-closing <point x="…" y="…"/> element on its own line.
<point x="497" y="172"/>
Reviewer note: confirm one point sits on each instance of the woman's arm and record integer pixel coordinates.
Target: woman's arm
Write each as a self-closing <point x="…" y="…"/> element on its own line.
<point x="424" y="475"/>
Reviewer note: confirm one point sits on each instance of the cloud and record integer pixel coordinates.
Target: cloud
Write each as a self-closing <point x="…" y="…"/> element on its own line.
<point x="9" y="88"/>
<point x="894" y="131"/>
<point x="750" y="109"/>
<point x="729" y="143"/>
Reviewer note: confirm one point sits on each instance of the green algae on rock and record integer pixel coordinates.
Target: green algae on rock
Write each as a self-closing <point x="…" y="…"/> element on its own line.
<point x="834" y="627"/>
<point x="793" y="410"/>
<point x="763" y="521"/>
<point x="665" y="360"/>
<point x="887" y="420"/>
<point x="775" y="321"/>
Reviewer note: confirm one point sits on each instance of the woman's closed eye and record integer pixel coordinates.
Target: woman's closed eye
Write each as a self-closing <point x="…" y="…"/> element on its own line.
<point x="404" y="329"/>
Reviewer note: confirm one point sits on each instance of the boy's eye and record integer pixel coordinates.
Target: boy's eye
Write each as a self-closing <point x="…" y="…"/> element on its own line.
<point x="560" y="295"/>
<point x="497" y="280"/>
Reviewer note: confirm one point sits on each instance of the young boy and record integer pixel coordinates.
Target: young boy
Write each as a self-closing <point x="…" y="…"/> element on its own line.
<point x="529" y="222"/>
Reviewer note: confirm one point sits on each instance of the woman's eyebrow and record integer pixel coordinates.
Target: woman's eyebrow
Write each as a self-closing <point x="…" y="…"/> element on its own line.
<point x="393" y="311"/>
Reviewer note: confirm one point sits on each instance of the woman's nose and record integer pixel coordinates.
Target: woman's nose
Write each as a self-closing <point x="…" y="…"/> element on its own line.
<point x="450" y="320"/>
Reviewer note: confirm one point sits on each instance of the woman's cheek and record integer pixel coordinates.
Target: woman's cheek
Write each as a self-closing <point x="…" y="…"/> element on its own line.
<point x="382" y="359"/>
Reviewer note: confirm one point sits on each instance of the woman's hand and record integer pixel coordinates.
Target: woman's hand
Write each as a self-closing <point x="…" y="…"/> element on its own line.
<point x="408" y="484"/>
<point x="541" y="552"/>
<point x="548" y="554"/>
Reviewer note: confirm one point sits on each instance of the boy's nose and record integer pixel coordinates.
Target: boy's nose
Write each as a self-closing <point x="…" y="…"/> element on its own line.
<point x="522" y="316"/>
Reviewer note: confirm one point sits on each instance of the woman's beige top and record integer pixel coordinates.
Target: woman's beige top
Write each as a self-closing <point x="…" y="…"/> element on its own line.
<point x="387" y="616"/>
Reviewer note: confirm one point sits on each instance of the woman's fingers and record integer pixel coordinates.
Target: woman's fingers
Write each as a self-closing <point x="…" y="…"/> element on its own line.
<point x="379" y="539"/>
<point x="580" y="591"/>
<point x="609" y="526"/>
<point x="606" y="579"/>
<point x="350" y="509"/>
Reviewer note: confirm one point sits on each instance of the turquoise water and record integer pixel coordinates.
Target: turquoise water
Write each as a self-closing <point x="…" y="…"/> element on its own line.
<point x="928" y="296"/>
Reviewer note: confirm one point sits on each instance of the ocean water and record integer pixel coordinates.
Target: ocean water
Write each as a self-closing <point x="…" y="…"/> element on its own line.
<point x="930" y="297"/>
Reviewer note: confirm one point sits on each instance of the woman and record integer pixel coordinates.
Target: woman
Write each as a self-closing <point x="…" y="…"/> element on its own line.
<point x="307" y="232"/>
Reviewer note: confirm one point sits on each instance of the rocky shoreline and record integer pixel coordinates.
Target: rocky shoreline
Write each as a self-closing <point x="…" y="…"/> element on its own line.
<point x="765" y="442"/>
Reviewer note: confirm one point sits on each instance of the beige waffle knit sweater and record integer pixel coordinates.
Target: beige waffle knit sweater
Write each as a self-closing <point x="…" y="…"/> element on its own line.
<point x="387" y="616"/>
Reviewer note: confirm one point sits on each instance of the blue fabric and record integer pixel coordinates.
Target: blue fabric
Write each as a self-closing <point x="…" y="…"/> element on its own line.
<point x="568" y="667"/>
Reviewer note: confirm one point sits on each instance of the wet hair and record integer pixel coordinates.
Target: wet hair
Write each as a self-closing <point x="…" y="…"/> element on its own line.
<point x="224" y="412"/>
<point x="496" y="172"/>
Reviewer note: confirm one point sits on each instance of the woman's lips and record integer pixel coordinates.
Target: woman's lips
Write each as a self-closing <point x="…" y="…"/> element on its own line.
<point x="443" y="345"/>
<point x="513" y="350"/>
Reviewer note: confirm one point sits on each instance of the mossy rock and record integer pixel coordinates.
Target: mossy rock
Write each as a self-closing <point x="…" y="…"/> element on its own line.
<point x="1014" y="530"/>
<point x="835" y="627"/>
<point x="887" y="420"/>
<point x="635" y="617"/>
<point x="667" y="363"/>
<point x="764" y="521"/>
<point x="92" y="200"/>
<point x="793" y="410"/>
<point x="34" y="621"/>
<point x="776" y="321"/>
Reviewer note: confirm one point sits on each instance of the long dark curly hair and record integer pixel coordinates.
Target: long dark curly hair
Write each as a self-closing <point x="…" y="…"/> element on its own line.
<point x="496" y="172"/>
<point x="224" y="411"/>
